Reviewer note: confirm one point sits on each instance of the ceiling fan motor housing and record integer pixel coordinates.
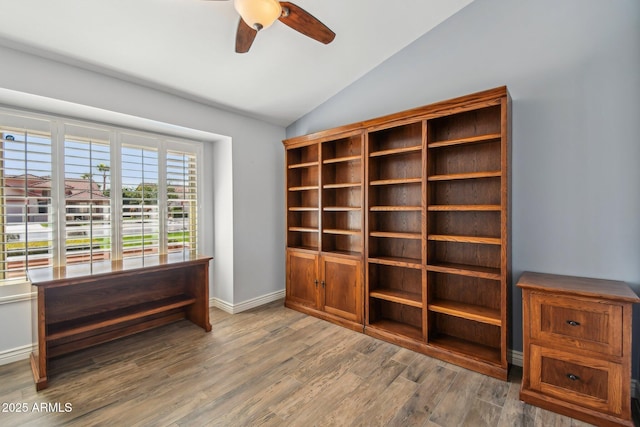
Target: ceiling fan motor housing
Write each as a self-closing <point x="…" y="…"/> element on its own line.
<point x="258" y="14"/>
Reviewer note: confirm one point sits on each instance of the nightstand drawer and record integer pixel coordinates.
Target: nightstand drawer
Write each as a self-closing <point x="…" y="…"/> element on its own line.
<point x="578" y="323"/>
<point x="588" y="382"/>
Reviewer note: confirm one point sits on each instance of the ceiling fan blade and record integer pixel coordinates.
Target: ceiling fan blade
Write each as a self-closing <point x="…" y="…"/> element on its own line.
<point x="244" y="37"/>
<point x="305" y="23"/>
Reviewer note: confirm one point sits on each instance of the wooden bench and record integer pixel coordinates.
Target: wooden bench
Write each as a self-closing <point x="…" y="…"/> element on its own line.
<point x="82" y="305"/>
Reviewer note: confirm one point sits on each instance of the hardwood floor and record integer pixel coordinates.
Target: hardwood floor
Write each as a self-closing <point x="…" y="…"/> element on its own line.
<point x="268" y="366"/>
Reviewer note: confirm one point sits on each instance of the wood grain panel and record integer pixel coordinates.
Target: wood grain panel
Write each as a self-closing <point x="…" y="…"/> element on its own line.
<point x="467" y="124"/>
<point x="464" y="289"/>
<point x="578" y="323"/>
<point x="475" y="192"/>
<point x="465" y="330"/>
<point x="342" y="287"/>
<point x="464" y="253"/>
<point x="302" y="277"/>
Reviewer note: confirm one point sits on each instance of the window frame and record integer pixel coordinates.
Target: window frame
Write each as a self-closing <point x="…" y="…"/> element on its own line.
<point x="163" y="141"/>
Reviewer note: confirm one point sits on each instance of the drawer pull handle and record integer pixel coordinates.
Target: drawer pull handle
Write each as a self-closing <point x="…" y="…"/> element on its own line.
<point x="573" y="323"/>
<point x="573" y="377"/>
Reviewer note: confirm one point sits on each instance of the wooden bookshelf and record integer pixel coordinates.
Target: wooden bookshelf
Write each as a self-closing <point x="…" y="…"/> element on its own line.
<point x="467" y="140"/>
<point x="467" y="175"/>
<point x="398" y="296"/>
<point x="465" y="270"/>
<point x="463" y="208"/>
<point x="341" y="208"/>
<point x="468" y="235"/>
<point x="396" y="181"/>
<point x="464" y="239"/>
<point x="324" y="256"/>
<point x="401" y="150"/>
<point x="395" y="261"/>
<point x="466" y="311"/>
<point x="303" y="184"/>
<point x="421" y="198"/>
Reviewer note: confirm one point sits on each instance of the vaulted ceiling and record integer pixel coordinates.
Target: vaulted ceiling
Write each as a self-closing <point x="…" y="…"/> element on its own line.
<point x="186" y="47"/>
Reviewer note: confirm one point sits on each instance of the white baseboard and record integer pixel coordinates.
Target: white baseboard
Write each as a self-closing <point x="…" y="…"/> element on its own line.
<point x="246" y="305"/>
<point x="15" y="354"/>
<point x="17" y="298"/>
<point x="221" y="304"/>
<point x="515" y="357"/>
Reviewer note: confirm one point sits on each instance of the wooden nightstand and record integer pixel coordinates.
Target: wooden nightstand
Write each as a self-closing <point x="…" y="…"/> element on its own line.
<point x="577" y="347"/>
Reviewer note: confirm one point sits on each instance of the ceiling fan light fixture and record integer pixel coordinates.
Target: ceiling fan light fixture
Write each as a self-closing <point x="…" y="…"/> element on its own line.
<point x="258" y="14"/>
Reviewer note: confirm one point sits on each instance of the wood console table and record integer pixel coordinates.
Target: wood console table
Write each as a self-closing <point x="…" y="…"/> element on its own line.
<point x="82" y="305"/>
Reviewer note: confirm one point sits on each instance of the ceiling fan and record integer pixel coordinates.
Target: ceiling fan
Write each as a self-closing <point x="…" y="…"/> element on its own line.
<point x="256" y="15"/>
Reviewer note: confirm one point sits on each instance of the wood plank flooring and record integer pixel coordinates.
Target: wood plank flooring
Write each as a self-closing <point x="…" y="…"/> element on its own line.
<point x="268" y="366"/>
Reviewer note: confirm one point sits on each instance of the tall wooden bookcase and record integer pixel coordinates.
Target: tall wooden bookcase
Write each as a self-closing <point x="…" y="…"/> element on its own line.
<point x="417" y="205"/>
<point x="396" y="294"/>
<point x="325" y="226"/>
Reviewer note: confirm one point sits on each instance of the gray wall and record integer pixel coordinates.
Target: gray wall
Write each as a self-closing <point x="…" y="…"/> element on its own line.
<point x="573" y="70"/>
<point x="244" y="168"/>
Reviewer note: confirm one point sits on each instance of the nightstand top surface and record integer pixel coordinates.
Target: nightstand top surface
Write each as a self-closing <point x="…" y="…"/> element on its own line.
<point x="583" y="286"/>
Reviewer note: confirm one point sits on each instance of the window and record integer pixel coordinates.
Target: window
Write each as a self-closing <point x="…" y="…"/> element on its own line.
<point x="87" y="201"/>
<point x="181" y="200"/>
<point x="140" y="214"/>
<point x="113" y="193"/>
<point x="26" y="226"/>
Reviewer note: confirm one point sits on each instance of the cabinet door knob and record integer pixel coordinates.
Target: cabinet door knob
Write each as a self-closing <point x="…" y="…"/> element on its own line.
<point x="573" y="323"/>
<point x="323" y="283"/>
<point x="573" y="377"/>
<point x="316" y="283"/>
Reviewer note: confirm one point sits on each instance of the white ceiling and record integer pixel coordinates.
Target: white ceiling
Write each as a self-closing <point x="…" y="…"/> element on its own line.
<point x="187" y="47"/>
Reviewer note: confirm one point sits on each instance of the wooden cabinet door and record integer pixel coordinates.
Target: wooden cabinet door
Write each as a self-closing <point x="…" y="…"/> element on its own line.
<point x="302" y="278"/>
<point x="342" y="287"/>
